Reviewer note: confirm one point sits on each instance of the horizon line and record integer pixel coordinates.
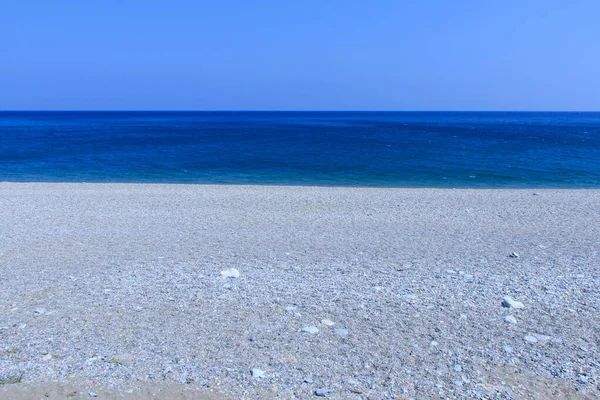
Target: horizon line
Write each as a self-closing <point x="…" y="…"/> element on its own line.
<point x="304" y="111"/>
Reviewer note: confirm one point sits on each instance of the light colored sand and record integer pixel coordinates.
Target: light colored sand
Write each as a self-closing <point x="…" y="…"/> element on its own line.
<point x="85" y="390"/>
<point x="127" y="287"/>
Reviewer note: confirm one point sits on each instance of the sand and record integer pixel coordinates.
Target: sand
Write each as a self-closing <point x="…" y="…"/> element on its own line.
<point x="113" y="288"/>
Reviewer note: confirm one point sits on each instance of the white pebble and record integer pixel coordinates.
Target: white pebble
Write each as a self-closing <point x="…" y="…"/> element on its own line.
<point x="508" y="302"/>
<point x="510" y="319"/>
<point x="340" y="331"/>
<point x="257" y="373"/>
<point x="230" y="273"/>
<point x="530" y="339"/>
<point x="327" y="322"/>
<point x="310" y="329"/>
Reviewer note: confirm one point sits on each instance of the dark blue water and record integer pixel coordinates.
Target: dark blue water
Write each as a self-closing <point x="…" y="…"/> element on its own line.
<point x="409" y="149"/>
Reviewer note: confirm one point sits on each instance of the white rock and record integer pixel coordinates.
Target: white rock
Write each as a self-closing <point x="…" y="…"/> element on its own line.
<point x="310" y="329"/>
<point x="508" y="302"/>
<point x="257" y="373"/>
<point x="39" y="311"/>
<point x="327" y="322"/>
<point x="340" y="331"/>
<point x="510" y="319"/>
<point x="230" y="273"/>
<point x="323" y="392"/>
<point x="530" y="339"/>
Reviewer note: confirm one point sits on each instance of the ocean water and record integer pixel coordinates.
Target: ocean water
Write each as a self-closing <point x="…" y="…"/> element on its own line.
<point x="388" y="149"/>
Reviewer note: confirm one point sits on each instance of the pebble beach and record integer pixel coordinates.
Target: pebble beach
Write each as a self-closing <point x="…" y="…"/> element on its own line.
<point x="139" y="291"/>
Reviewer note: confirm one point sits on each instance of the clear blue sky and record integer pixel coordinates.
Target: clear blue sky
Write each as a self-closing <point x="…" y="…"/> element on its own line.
<point x="300" y="55"/>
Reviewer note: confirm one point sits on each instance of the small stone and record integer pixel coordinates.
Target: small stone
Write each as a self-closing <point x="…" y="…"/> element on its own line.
<point x="433" y="343"/>
<point x="291" y="309"/>
<point x="530" y="339"/>
<point x="510" y="319"/>
<point x="457" y="368"/>
<point x="93" y="394"/>
<point x="327" y="322"/>
<point x="310" y="329"/>
<point x="230" y="273"/>
<point x="122" y="359"/>
<point x="543" y="338"/>
<point x="582" y="379"/>
<point x="514" y="255"/>
<point x="47" y="357"/>
<point x="507" y="349"/>
<point x="322" y="392"/>
<point x="257" y="373"/>
<point x="40" y="311"/>
<point x="508" y="302"/>
<point x="340" y="331"/>
<point x="308" y="380"/>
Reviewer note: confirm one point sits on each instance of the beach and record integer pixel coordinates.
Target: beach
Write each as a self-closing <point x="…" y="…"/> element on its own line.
<point x="348" y="293"/>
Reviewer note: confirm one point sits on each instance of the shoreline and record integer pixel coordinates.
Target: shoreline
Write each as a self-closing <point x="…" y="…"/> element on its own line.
<point x="295" y="185"/>
<point x="121" y="283"/>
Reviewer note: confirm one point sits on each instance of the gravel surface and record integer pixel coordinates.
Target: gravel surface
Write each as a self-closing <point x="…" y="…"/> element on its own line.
<point x="218" y="288"/>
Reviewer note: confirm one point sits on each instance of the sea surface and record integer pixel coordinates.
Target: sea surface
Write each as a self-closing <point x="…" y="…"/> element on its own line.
<point x="386" y="149"/>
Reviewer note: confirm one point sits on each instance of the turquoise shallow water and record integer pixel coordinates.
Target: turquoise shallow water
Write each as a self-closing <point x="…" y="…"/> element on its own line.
<point x="390" y="149"/>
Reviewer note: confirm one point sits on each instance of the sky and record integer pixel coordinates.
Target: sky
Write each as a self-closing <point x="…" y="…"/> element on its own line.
<point x="300" y="55"/>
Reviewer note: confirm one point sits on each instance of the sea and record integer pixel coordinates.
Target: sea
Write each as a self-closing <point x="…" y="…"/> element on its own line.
<point x="374" y="149"/>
